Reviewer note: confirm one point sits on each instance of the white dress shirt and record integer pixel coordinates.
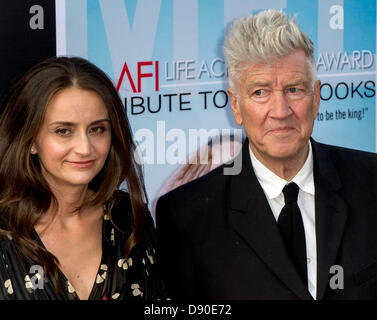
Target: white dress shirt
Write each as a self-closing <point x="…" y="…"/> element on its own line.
<point x="273" y="185"/>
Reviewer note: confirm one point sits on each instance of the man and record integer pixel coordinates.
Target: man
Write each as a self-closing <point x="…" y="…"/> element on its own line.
<point x="299" y="221"/>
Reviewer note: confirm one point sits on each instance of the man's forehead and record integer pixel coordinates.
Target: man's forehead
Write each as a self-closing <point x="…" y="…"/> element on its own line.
<point x="266" y="78"/>
<point x="267" y="73"/>
<point x="294" y="60"/>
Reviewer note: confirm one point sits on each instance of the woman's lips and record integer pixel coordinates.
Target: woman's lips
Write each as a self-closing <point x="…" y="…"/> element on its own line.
<point x="81" y="164"/>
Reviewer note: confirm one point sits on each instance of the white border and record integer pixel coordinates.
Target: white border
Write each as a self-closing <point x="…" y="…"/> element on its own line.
<point x="61" y="39"/>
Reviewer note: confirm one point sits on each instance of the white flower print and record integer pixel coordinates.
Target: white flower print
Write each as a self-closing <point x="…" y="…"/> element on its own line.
<point x="115" y="296"/>
<point x="8" y="286"/>
<point x="122" y="263"/>
<point x="28" y="284"/>
<point x="102" y="276"/>
<point x="136" y="290"/>
<point x="112" y="236"/>
<point x="150" y="257"/>
<point x="70" y="288"/>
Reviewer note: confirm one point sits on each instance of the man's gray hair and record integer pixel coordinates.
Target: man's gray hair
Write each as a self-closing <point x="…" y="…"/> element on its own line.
<point x="263" y="38"/>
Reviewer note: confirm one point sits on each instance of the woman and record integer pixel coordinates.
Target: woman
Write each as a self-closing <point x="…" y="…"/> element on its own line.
<point x="67" y="232"/>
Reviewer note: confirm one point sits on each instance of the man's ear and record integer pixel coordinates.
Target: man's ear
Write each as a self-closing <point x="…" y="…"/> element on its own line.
<point x="317" y="97"/>
<point x="235" y="107"/>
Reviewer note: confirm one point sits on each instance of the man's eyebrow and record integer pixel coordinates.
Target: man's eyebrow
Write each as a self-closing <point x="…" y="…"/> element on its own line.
<point x="297" y="81"/>
<point x="69" y="123"/>
<point x="292" y="82"/>
<point x="257" y="83"/>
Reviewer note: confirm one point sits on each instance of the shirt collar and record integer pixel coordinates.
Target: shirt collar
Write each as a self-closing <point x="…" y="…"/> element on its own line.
<point x="273" y="185"/>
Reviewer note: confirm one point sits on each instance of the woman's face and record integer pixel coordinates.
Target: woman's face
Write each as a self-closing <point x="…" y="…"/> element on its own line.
<point x="75" y="138"/>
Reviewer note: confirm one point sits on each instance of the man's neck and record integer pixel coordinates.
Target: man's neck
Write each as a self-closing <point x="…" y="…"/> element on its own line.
<point x="285" y="168"/>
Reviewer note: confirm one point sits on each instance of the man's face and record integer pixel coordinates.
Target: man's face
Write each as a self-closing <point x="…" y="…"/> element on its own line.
<point x="277" y="105"/>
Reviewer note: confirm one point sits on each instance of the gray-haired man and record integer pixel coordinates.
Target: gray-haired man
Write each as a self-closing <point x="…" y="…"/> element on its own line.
<point x="299" y="214"/>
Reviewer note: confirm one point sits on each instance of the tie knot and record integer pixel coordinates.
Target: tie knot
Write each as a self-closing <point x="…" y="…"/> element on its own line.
<point x="290" y="192"/>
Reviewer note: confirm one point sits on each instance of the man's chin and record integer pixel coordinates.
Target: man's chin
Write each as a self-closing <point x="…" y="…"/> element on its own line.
<point x="287" y="150"/>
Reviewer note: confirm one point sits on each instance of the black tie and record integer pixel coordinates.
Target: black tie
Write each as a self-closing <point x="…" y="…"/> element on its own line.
<point x="292" y="229"/>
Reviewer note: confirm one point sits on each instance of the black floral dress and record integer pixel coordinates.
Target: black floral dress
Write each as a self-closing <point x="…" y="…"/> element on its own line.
<point x="133" y="278"/>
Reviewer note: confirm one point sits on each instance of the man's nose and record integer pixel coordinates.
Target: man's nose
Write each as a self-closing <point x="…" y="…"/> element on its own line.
<point x="280" y="106"/>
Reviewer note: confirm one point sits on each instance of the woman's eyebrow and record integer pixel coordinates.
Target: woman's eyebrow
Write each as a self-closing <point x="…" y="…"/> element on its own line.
<point x="69" y="123"/>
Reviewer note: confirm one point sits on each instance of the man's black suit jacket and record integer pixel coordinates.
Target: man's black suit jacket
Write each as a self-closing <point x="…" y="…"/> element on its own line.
<point x="218" y="238"/>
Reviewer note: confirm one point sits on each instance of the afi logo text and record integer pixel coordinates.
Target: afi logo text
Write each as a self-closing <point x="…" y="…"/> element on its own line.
<point x="140" y="74"/>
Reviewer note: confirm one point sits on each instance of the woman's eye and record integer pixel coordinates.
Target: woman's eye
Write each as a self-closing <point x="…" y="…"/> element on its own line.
<point x="97" y="130"/>
<point x="63" y="132"/>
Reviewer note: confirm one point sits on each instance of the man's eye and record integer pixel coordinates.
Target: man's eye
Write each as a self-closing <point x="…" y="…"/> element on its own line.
<point x="259" y="92"/>
<point x="293" y="90"/>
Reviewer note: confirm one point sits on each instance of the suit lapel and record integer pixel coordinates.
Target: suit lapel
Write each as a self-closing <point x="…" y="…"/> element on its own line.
<point x="251" y="217"/>
<point x="330" y="215"/>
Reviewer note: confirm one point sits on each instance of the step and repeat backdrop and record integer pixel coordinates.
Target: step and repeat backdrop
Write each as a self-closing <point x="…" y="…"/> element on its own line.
<point x="165" y="58"/>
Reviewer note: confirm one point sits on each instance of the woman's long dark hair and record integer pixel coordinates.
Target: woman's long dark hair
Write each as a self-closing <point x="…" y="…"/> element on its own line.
<point x="25" y="195"/>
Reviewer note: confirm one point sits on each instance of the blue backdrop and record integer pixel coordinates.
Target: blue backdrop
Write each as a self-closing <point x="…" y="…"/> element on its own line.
<point x="166" y="58"/>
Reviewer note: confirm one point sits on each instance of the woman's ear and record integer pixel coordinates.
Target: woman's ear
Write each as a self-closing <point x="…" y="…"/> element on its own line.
<point x="33" y="149"/>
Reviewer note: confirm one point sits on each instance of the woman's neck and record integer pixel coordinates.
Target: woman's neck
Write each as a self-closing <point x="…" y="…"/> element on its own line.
<point x="67" y="211"/>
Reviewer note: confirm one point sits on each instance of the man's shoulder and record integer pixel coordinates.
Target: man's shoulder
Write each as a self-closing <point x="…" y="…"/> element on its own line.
<point x="211" y="184"/>
<point x="350" y="164"/>
<point x="348" y="154"/>
<point x="203" y="199"/>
